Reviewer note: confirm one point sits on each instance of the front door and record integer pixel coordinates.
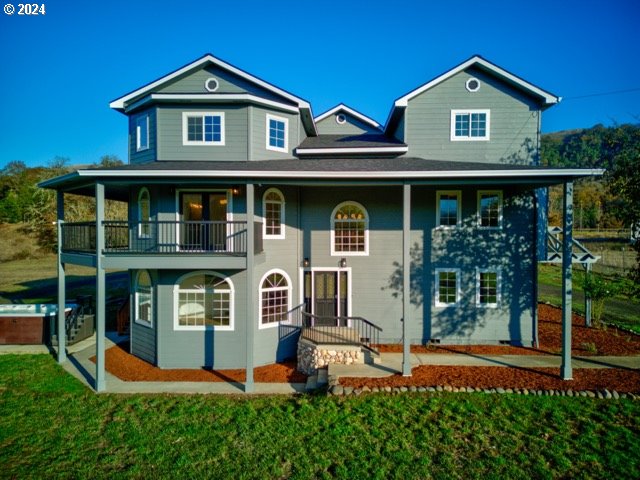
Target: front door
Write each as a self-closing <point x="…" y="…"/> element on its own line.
<point x="330" y="296"/>
<point x="204" y="216"/>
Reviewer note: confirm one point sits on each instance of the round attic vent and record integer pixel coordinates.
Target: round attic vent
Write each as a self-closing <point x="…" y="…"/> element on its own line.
<point x="211" y="84"/>
<point x="340" y="118"/>
<point x="473" y="84"/>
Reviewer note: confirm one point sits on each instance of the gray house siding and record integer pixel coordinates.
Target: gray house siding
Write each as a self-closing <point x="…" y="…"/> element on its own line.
<point x="370" y="275"/>
<point x="513" y="123"/>
<point x="376" y="289"/>
<point x="148" y="154"/>
<point x="170" y="140"/>
<point x="351" y="126"/>
<point x="258" y="134"/>
<point x="510" y="249"/>
<point x="202" y="348"/>
<point x="286" y="255"/>
<point x="227" y="83"/>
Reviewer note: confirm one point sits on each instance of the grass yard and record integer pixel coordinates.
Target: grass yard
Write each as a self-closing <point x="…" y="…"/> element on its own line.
<point x="619" y="310"/>
<point x="51" y="426"/>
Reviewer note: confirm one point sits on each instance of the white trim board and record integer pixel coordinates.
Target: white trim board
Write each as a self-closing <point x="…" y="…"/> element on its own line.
<point x="315" y="151"/>
<point x="396" y="175"/>
<point x="210" y="98"/>
<point x="119" y="103"/>
<point x="354" y="113"/>
<point x="549" y="98"/>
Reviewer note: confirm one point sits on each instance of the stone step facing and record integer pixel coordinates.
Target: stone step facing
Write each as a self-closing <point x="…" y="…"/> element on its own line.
<point x="312" y="383"/>
<point x="322" y="377"/>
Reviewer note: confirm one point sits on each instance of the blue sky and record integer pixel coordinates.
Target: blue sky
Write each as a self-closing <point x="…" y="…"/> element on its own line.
<point x="59" y="71"/>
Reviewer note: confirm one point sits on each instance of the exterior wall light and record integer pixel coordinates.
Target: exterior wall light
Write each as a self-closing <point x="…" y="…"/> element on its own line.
<point x="343" y="262"/>
<point x="306" y="263"/>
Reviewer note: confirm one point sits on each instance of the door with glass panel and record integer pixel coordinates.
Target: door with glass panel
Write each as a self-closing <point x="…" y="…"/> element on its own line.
<point x="203" y="226"/>
<point x="330" y="297"/>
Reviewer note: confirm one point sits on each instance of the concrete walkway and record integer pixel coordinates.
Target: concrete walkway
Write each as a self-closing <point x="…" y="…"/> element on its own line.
<point x="79" y="365"/>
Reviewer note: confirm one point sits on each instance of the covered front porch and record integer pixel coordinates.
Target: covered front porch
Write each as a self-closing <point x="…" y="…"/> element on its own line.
<point x="120" y="249"/>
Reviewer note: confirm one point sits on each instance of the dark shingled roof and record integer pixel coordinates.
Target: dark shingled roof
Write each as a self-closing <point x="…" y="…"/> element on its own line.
<point x="365" y="140"/>
<point x="399" y="164"/>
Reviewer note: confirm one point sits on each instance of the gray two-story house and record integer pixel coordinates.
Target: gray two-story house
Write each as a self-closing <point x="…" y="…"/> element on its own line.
<point x="246" y="213"/>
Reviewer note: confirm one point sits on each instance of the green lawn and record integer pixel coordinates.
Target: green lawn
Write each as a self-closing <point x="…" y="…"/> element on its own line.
<point x="50" y="426"/>
<point x="619" y="310"/>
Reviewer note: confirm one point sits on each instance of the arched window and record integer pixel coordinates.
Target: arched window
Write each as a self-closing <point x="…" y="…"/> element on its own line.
<point x="204" y="300"/>
<point x="273" y="211"/>
<point x="275" y="297"/>
<point x="144" y="214"/>
<point x="350" y="230"/>
<point x="143" y="298"/>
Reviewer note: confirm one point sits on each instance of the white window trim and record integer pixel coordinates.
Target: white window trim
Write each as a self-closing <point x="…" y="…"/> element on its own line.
<point x="286" y="133"/>
<point x="136" y="303"/>
<point x="202" y="328"/>
<point x="469" y="111"/>
<point x="334" y="252"/>
<point x="498" y="273"/>
<point x="145" y="118"/>
<point x="185" y="129"/>
<point x="263" y="326"/>
<point x="479" y="210"/>
<point x="281" y="235"/>
<point x="458" y="194"/>
<point x="140" y="219"/>
<point x="437" y="301"/>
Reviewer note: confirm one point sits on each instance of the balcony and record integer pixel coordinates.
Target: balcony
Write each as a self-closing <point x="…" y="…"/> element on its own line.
<point x="162" y="238"/>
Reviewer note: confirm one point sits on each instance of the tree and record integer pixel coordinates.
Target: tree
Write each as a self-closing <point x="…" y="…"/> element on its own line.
<point x="624" y="181"/>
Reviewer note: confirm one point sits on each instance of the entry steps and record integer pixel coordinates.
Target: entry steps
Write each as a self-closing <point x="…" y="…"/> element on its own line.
<point x="318" y="380"/>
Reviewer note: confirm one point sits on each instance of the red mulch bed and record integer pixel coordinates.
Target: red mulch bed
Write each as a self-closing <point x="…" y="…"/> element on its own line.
<point x="610" y="341"/>
<point x="585" y="340"/>
<point x="127" y="367"/>
<point x="620" y="380"/>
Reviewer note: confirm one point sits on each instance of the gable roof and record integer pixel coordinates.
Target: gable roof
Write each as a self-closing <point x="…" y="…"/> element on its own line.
<point x="208" y="59"/>
<point x="546" y="98"/>
<point x="341" y="107"/>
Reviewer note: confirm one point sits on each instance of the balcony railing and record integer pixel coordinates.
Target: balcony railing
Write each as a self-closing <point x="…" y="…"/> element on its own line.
<point x="162" y="237"/>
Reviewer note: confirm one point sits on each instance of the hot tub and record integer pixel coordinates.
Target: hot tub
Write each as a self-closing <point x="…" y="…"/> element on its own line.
<point x="27" y="324"/>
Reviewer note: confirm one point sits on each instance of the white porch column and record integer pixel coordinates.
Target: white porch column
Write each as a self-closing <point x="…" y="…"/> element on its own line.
<point x="566" y="371"/>
<point x="62" y="299"/>
<point x="406" y="278"/>
<point x="100" y="290"/>
<point x="250" y="321"/>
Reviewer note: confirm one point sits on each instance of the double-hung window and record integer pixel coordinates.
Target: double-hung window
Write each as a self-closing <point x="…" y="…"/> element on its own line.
<point x="277" y="133"/>
<point x="144" y="214"/>
<point x="470" y="125"/>
<point x="487" y="287"/>
<point x="447" y="287"/>
<point x="143" y="299"/>
<point x="489" y="209"/>
<point x="448" y="209"/>
<point x="275" y="295"/>
<point x="142" y="133"/>
<point x="273" y="208"/>
<point x="203" y="128"/>
<point x="350" y="230"/>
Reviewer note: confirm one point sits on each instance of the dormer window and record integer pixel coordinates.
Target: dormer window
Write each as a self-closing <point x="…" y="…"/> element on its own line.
<point x="277" y="133"/>
<point x="470" y="125"/>
<point x="203" y="128"/>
